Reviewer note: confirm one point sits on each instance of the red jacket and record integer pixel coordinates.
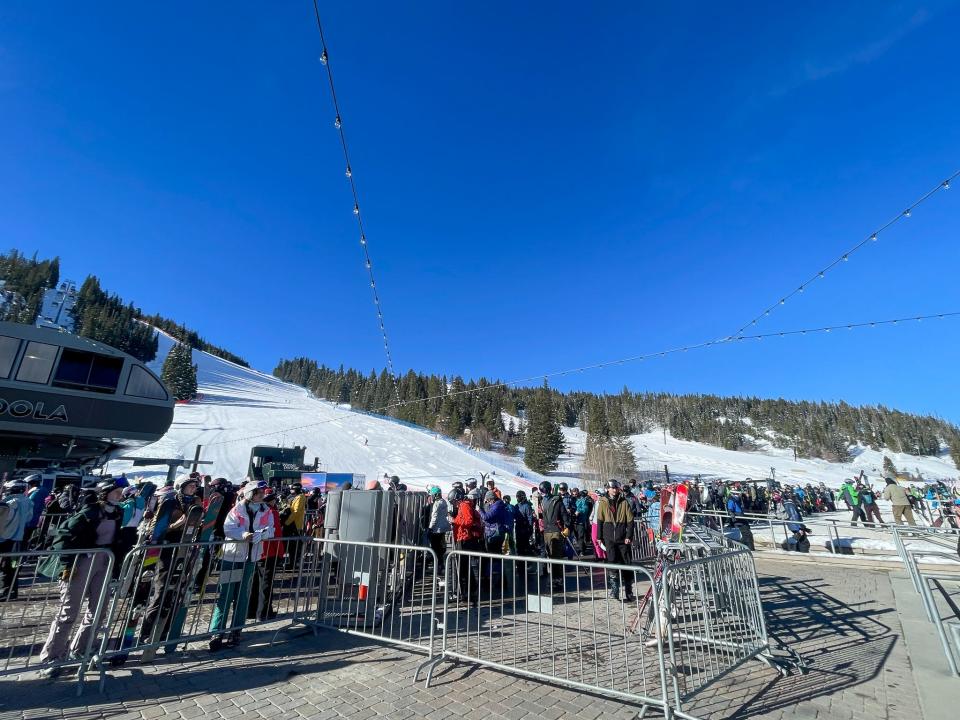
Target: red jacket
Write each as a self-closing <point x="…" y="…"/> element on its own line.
<point x="274" y="548"/>
<point x="466" y="523"/>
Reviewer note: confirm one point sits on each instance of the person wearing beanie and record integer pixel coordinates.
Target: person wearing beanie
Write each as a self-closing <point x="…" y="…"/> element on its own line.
<point x="900" y="502"/>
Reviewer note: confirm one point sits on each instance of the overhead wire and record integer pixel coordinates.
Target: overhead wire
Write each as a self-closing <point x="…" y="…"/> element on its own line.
<point x="364" y="244"/>
<point x="610" y="363"/>
<point x="845" y="257"/>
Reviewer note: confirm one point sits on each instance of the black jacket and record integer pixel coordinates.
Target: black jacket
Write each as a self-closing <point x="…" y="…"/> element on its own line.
<point x="555" y="515"/>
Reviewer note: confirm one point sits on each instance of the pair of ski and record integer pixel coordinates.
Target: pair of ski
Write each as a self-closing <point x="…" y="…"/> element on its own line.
<point x="673" y="509"/>
<point x="184" y="567"/>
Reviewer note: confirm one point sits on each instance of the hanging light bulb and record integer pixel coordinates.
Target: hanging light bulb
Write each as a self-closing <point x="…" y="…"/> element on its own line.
<point x="363" y="239"/>
<point x="873" y="238"/>
<point x="782" y="300"/>
<point x="337" y="123"/>
<point x="356" y="209"/>
<point x="906" y="213"/>
<point x="826" y="329"/>
<point x="349" y="172"/>
<point x="372" y="284"/>
<point x="820" y="274"/>
<point x="846" y="258"/>
<point x="324" y="57"/>
<point x="368" y="265"/>
<point x="946" y="185"/>
<point x="801" y="289"/>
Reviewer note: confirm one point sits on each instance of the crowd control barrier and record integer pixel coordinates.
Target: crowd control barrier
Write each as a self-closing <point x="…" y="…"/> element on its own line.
<point x="380" y="591"/>
<point x="173" y="594"/>
<point x="51" y="607"/>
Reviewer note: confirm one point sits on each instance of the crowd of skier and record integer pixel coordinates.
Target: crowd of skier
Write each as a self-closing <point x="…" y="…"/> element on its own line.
<point x="252" y="521"/>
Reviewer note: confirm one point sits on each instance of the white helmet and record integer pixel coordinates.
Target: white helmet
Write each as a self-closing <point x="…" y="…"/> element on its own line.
<point x="17" y="486"/>
<point x="183" y="480"/>
<point x="250" y="488"/>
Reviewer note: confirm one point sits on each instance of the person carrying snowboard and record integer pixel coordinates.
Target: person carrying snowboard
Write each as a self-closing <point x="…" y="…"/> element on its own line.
<point x="166" y="528"/>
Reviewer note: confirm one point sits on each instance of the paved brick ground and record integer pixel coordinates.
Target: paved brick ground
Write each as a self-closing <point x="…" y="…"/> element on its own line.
<point x="842" y="619"/>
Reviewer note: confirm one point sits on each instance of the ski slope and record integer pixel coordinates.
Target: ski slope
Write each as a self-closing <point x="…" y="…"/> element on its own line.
<point x="241" y="407"/>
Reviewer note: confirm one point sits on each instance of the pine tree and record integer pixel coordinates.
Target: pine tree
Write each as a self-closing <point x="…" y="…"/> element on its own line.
<point x="544" y="441"/>
<point x="179" y="373"/>
<point x="889" y="469"/>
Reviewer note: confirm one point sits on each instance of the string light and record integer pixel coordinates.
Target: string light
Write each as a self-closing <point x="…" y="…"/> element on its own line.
<point x="338" y="124"/>
<point x="845" y="257"/>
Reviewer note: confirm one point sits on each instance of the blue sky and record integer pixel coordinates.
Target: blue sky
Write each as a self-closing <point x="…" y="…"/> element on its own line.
<point x="545" y="185"/>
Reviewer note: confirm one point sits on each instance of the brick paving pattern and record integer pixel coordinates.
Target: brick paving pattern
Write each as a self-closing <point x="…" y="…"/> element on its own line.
<point x="843" y="620"/>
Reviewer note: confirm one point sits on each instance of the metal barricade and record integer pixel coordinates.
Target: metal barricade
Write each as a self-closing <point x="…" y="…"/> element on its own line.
<point x="554" y="620"/>
<point x="46" y="528"/>
<point x="376" y="590"/>
<point x="712" y="618"/>
<point x="643" y="546"/>
<point x="51" y="608"/>
<point x="173" y="594"/>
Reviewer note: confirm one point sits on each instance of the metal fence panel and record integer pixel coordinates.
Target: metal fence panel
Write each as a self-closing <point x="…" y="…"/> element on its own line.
<point x="377" y="590"/>
<point x="553" y="620"/>
<point x="51" y="610"/>
<point x="712" y="619"/>
<point x="169" y="595"/>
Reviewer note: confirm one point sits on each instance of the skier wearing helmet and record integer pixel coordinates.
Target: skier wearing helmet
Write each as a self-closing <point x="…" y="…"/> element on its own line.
<point x="438" y="525"/>
<point x="81" y="577"/>
<point x="557" y="524"/>
<point x="248" y="524"/>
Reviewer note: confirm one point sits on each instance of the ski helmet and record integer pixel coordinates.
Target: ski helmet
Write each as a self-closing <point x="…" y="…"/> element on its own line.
<point x="545" y="487"/>
<point x="473" y="494"/>
<point x="457" y="494"/>
<point x="458" y="484"/>
<point x="435" y="490"/>
<point x="521" y="496"/>
<point x="471" y="483"/>
<point x="269" y="494"/>
<point x="15" y="486"/>
<point x="104" y="488"/>
<point x="296" y="488"/>
<point x="184" y="480"/>
<point x="34" y="480"/>
<point x="562" y="487"/>
<point x="613" y="484"/>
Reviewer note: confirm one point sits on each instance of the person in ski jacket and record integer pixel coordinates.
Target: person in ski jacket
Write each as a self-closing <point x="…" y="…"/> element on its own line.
<point x="166" y="528"/>
<point x="868" y="501"/>
<point x="851" y="496"/>
<point x="616" y="529"/>
<point x="468" y="534"/>
<point x="438" y="525"/>
<point x="82" y="577"/>
<point x="583" y="509"/>
<point x="897" y="497"/>
<point x="557" y="524"/>
<point x="249" y="523"/>
<point x="595" y="528"/>
<point x="15" y="513"/>
<point x="37" y="494"/>
<point x="495" y="518"/>
<point x="524" y="519"/>
<point x="296" y="512"/>
<point x="261" y="586"/>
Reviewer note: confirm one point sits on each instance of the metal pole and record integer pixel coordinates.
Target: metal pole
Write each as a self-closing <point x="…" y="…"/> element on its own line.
<point x="196" y="458"/>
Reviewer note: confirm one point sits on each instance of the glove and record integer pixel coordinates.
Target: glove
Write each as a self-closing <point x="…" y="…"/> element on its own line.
<point x="565" y="532"/>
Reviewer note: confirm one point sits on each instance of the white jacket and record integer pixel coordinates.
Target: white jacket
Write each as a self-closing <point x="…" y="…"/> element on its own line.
<point x="439" y="517"/>
<point x="237" y="523"/>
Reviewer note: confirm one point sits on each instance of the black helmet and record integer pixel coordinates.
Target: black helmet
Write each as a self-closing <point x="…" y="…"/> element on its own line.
<point x="296" y="488"/>
<point x="104" y="488"/>
<point x="457" y="494"/>
<point x="471" y="483"/>
<point x="613" y="484"/>
<point x="521" y="496"/>
<point x="458" y="484"/>
<point x="544" y="487"/>
<point x="562" y="487"/>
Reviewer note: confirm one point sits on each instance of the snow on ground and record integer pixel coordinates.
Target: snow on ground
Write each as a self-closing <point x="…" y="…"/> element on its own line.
<point x="684" y="457"/>
<point x="241" y="407"/>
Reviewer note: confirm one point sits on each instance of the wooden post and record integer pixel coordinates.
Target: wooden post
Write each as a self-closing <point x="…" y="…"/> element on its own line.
<point x="666" y="471"/>
<point x="196" y="458"/>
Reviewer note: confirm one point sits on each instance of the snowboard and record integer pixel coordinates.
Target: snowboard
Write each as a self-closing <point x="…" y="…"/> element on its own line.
<point x="679" y="510"/>
<point x="177" y="574"/>
<point x="193" y="565"/>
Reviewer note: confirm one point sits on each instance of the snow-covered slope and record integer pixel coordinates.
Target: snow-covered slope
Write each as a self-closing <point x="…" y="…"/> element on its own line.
<point x="241" y="407"/>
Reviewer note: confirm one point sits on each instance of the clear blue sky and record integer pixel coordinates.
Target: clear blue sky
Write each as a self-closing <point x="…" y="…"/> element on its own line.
<point x="545" y="184"/>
